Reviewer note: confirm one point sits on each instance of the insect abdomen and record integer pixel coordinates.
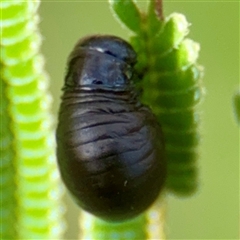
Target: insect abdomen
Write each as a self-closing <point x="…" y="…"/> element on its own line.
<point x="110" y="155"/>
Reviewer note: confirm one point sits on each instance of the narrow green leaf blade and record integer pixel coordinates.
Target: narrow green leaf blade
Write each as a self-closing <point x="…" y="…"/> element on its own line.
<point x="155" y="22"/>
<point x="128" y="14"/>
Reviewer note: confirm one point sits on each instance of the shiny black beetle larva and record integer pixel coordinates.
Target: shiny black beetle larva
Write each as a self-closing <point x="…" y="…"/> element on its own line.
<point x="109" y="146"/>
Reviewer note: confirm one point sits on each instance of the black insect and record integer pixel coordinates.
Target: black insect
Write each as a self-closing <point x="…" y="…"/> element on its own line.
<point x="109" y="146"/>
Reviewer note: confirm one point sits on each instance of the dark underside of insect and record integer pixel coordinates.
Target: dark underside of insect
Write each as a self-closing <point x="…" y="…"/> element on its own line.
<point x="110" y="147"/>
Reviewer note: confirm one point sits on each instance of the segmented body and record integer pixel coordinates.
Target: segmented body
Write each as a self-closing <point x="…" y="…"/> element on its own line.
<point x="110" y="149"/>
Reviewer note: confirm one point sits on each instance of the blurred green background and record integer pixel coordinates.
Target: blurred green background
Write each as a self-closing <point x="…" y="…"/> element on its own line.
<point x="213" y="212"/>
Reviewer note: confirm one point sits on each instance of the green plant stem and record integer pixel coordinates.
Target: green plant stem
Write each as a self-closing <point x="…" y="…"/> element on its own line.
<point x="150" y="225"/>
<point x="172" y="88"/>
<point x="28" y="170"/>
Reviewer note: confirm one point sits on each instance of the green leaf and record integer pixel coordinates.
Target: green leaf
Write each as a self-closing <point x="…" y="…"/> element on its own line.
<point x="171" y="35"/>
<point x="172" y="88"/>
<point x="127" y="12"/>
<point x="153" y="21"/>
